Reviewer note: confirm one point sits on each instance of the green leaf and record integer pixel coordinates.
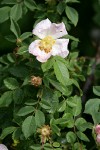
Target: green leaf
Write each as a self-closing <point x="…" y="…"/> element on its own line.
<point x="56" y="144"/>
<point x="6" y="99"/>
<point x="18" y="96"/>
<point x="16" y="12"/>
<point x="61" y="72"/>
<point x="62" y="106"/>
<point x="55" y="129"/>
<point x="29" y="126"/>
<point x="36" y="147"/>
<point x="92" y="107"/>
<point x="16" y="134"/>
<point x="60" y="7"/>
<point x="39" y="118"/>
<point x="45" y="104"/>
<point x="19" y="71"/>
<point x="69" y="120"/>
<point x="25" y="35"/>
<point x="82" y="136"/>
<point x="72" y="15"/>
<point x="11" y="38"/>
<point x="71" y="102"/>
<point x="73" y="55"/>
<point x="75" y="103"/>
<point x="47" y="65"/>
<point x="30" y="4"/>
<point x="25" y="110"/>
<point x="11" y="83"/>
<point x="74" y="45"/>
<point x="71" y="38"/>
<point x="63" y="89"/>
<point x="96" y="90"/>
<point x="77" y="85"/>
<point x="79" y="123"/>
<point x="94" y="103"/>
<point x="78" y="108"/>
<point x="77" y="145"/>
<point x="10" y="57"/>
<point x="7" y="131"/>
<point x="71" y="137"/>
<point x="71" y="1"/>
<point x="66" y="121"/>
<point x="15" y="28"/>
<point x="48" y="146"/>
<point x="4" y="14"/>
<point x="9" y="2"/>
<point x="22" y="50"/>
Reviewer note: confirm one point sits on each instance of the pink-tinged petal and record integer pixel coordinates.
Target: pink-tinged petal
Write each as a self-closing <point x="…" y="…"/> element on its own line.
<point x="41" y="60"/>
<point x="98" y="138"/>
<point x="57" y="30"/>
<point x="3" y="147"/>
<point x="42" y="28"/>
<point x="60" y="48"/>
<point x="34" y="48"/>
<point x="43" y="57"/>
<point x="97" y="129"/>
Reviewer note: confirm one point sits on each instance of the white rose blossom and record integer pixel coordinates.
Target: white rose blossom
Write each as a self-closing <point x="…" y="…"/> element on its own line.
<point x="49" y="43"/>
<point x="3" y="147"/>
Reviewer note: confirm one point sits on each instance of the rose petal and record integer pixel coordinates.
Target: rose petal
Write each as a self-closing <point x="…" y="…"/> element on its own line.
<point x="40" y="59"/>
<point x="98" y="138"/>
<point x="42" y="28"/>
<point x="43" y="57"/>
<point x="60" y="48"/>
<point x="97" y="129"/>
<point x="34" y="48"/>
<point x="3" y="147"/>
<point x="57" y="30"/>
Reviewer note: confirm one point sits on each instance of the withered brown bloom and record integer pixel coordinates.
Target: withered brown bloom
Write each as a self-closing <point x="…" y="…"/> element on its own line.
<point x="36" y="81"/>
<point x="45" y="133"/>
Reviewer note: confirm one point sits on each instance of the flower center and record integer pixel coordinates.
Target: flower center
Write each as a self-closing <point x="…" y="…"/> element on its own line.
<point x="46" y="44"/>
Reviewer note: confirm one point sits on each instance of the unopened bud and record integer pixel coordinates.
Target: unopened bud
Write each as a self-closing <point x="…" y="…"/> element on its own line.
<point x="36" y="81"/>
<point x="97" y="129"/>
<point x="98" y="138"/>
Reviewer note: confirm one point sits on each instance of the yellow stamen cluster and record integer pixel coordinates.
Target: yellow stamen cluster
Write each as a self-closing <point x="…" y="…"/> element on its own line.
<point x="46" y="44"/>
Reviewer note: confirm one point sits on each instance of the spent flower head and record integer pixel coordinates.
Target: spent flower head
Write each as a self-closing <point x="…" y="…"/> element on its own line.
<point x="36" y="81"/>
<point x="49" y="43"/>
<point x="45" y="133"/>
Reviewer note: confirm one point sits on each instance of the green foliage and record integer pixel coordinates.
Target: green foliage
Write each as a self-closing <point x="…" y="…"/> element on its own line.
<point x="29" y="126"/>
<point x="94" y="109"/>
<point x="4" y="13"/>
<point x="61" y="72"/>
<point x="57" y="101"/>
<point x="72" y="15"/>
<point x="6" y="99"/>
